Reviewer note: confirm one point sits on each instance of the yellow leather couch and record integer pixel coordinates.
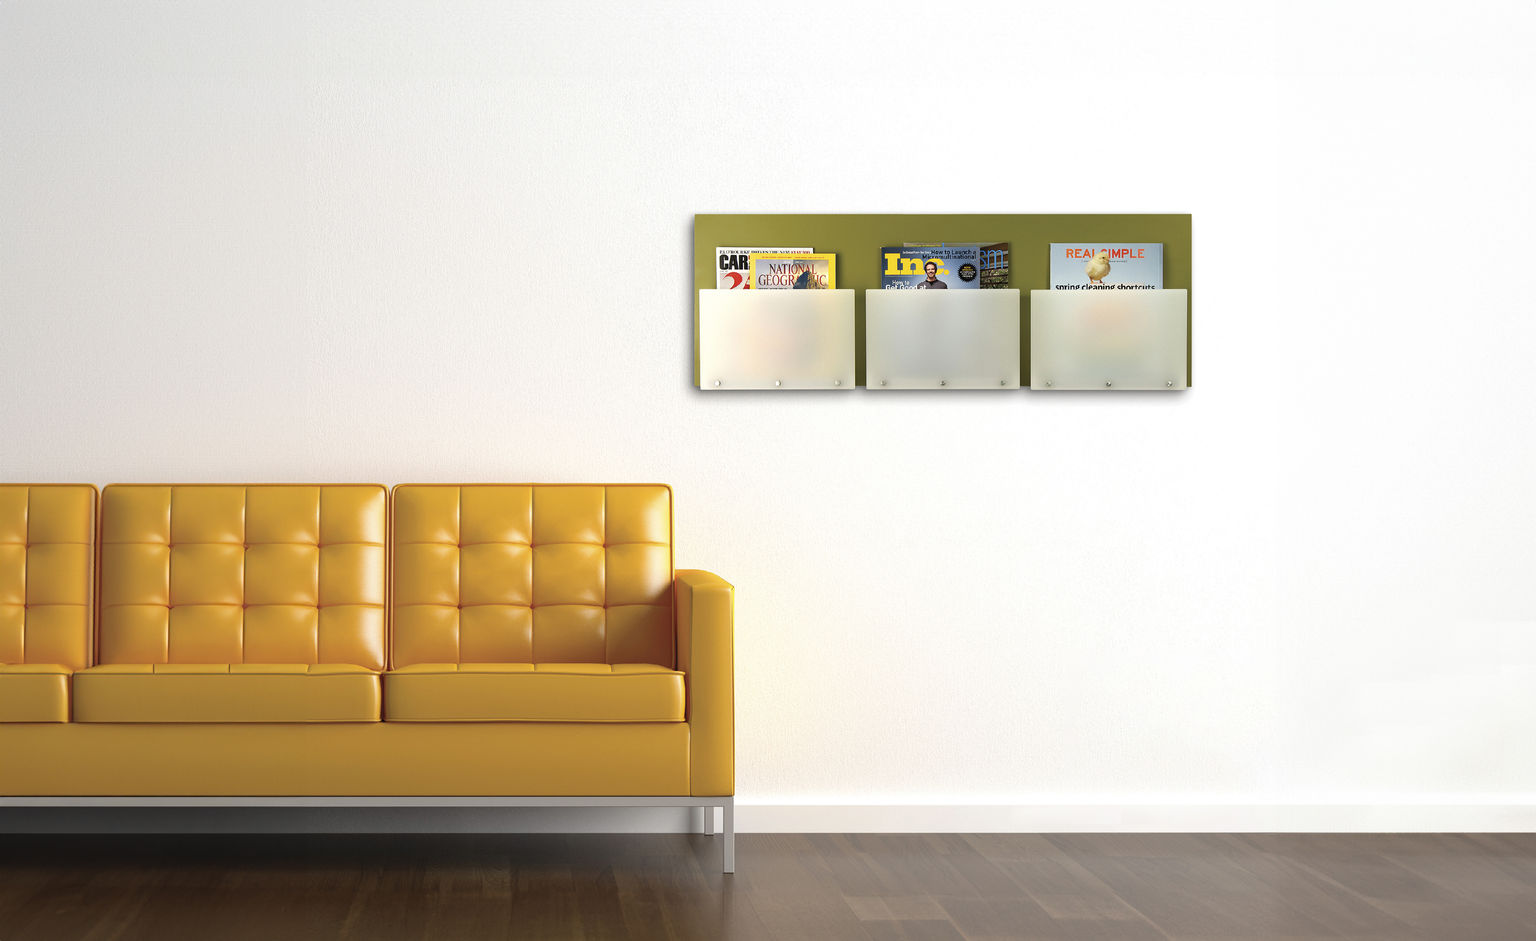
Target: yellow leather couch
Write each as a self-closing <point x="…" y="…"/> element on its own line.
<point x="496" y="642"/>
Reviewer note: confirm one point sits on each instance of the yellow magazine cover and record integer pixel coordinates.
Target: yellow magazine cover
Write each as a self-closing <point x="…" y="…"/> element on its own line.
<point x="785" y="271"/>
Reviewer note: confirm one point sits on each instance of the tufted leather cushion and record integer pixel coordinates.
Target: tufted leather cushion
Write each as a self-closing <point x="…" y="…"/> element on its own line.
<point x="34" y="692"/>
<point x="504" y="573"/>
<point x="528" y="692"/>
<point x="219" y="692"/>
<point x="243" y="574"/>
<point x="47" y="534"/>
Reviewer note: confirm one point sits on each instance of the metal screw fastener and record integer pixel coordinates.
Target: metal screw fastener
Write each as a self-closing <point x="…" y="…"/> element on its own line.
<point x="837" y="382"/>
<point x="717" y="383"/>
<point x="1107" y="383"/>
<point x="943" y="382"/>
<point x="1169" y="383"/>
<point x="882" y="382"/>
<point x="1047" y="383"/>
<point x="777" y="382"/>
<point x="1002" y="382"/>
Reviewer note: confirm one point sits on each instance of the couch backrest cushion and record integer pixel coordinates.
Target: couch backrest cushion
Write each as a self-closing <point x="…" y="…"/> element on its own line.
<point x="280" y="573"/>
<point x="532" y="573"/>
<point x="47" y="557"/>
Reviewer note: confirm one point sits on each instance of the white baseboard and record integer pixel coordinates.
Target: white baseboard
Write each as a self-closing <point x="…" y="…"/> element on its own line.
<point x="1137" y="818"/>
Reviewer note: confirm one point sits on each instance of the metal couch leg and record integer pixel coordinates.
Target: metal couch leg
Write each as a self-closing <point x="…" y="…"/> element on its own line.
<point x="707" y="824"/>
<point x="728" y="831"/>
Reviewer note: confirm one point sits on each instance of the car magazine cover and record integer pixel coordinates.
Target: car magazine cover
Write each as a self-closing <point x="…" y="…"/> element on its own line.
<point x="931" y="267"/>
<point x="783" y="271"/>
<point x="1129" y="266"/>
<point x="731" y="265"/>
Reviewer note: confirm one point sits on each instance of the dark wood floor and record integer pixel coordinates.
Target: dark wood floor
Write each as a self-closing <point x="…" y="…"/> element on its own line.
<point x="291" y="888"/>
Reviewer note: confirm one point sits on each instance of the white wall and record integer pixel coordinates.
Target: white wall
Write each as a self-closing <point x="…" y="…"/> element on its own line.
<point x="452" y="241"/>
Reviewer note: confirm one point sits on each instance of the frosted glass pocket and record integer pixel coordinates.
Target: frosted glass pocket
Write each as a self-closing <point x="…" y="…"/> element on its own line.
<point x="775" y="340"/>
<point x="941" y="339"/>
<point x="1109" y="340"/>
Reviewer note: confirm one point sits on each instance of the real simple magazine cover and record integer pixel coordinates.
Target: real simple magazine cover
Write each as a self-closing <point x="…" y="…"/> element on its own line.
<point x="1126" y="266"/>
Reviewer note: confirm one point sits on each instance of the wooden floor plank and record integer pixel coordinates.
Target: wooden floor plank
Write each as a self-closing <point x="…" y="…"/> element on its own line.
<point x="1341" y="910"/>
<point x="975" y="887"/>
<point x="1433" y="908"/>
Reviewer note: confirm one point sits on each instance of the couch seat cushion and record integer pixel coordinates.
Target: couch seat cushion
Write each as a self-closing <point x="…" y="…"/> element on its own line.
<point x="34" y="692"/>
<point x="533" y="692"/>
<point x="227" y="692"/>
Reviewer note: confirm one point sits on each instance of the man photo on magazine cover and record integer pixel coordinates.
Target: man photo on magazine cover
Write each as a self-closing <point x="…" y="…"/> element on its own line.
<point x="931" y="269"/>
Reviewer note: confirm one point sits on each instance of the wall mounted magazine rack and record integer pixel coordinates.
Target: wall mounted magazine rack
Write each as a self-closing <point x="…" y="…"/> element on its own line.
<point x="756" y="345"/>
<point x="775" y="339"/>
<point x="942" y="339"/>
<point x="1107" y="340"/>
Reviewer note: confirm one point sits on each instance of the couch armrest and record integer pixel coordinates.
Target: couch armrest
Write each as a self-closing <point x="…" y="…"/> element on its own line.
<point x="706" y="653"/>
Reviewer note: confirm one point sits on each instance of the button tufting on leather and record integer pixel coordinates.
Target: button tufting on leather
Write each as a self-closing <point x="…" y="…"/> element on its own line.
<point x="249" y="580"/>
<point x="48" y="581"/>
<point x="509" y="573"/>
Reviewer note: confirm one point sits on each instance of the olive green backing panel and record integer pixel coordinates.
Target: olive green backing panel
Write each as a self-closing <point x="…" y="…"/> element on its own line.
<point x="858" y="238"/>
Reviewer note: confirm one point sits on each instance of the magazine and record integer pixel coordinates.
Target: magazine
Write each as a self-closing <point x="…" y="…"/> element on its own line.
<point x="991" y="260"/>
<point x="1126" y="266"/>
<point x="994" y="265"/>
<point x="782" y="271"/>
<point x="731" y="265"/>
<point x="932" y="267"/>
